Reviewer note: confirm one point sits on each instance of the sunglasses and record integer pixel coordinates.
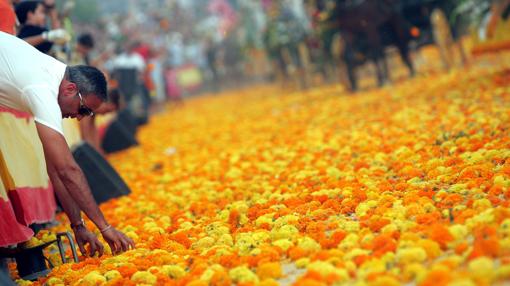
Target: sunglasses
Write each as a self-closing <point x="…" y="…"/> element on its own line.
<point x="84" y="110"/>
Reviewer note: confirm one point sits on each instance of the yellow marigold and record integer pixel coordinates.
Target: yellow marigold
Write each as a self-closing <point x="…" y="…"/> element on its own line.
<point x="225" y="239"/>
<point x="53" y="281"/>
<point x="286" y="220"/>
<point x="410" y="255"/>
<point x="284" y="243"/>
<point x="209" y="272"/>
<point x="93" y="278"/>
<point x="458" y="231"/>
<point x="144" y="277"/>
<point x="264" y="219"/>
<point x="260" y="237"/>
<point x="33" y="242"/>
<point x="173" y="271"/>
<point x="414" y="272"/>
<point x="242" y="274"/>
<point x="482" y="268"/>
<point x="503" y="272"/>
<point x="203" y="243"/>
<point x="286" y="231"/>
<point x="302" y="262"/>
<point x="308" y="244"/>
<point x="501" y="181"/>
<point x="244" y="243"/>
<point x="504" y="228"/>
<point x="21" y="282"/>
<point x="47" y="237"/>
<point x="112" y="274"/>
<point x="371" y="266"/>
<point x="385" y="281"/>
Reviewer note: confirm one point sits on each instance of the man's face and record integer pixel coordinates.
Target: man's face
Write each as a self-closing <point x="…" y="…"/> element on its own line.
<point x="81" y="106"/>
<point x="73" y="104"/>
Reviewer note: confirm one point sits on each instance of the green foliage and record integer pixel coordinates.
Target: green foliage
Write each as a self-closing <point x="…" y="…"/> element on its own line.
<point x="83" y="11"/>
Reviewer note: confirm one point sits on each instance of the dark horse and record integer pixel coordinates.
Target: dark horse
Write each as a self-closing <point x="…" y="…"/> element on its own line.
<point x="367" y="26"/>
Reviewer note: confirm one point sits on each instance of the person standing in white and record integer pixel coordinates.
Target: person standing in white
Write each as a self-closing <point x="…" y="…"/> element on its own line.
<point x="33" y="82"/>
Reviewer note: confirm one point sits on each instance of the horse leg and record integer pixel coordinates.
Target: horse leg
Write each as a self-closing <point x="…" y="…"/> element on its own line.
<point x="376" y="54"/>
<point x="297" y="61"/>
<point x="398" y="25"/>
<point x="403" y="50"/>
<point x="348" y="57"/>
<point x="386" y="70"/>
<point x="281" y="66"/>
<point x="352" y="77"/>
<point x="327" y="58"/>
<point x="379" y="67"/>
<point x="383" y="66"/>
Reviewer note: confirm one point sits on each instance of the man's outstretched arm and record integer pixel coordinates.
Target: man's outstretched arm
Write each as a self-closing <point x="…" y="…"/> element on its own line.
<point x="81" y="234"/>
<point x="62" y="167"/>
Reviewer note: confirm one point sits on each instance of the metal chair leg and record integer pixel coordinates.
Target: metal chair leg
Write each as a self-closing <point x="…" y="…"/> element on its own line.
<point x="71" y="244"/>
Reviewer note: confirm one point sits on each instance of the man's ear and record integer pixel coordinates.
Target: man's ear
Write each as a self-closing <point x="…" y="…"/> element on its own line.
<point x="71" y="88"/>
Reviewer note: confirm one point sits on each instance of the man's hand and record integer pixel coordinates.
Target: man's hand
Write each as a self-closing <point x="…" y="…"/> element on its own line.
<point x="118" y="241"/>
<point x="83" y="237"/>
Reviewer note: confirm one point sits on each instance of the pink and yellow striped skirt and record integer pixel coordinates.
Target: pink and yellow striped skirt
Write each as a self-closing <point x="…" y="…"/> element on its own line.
<point x="26" y="194"/>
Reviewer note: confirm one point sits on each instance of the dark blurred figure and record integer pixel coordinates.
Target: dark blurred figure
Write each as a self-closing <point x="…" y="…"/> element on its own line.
<point x="367" y="27"/>
<point x="233" y="59"/>
<point x="145" y="51"/>
<point x="84" y="45"/>
<point x="320" y="42"/>
<point x="88" y="126"/>
<point x="127" y="68"/>
<point x="284" y="33"/>
<point x="211" y="53"/>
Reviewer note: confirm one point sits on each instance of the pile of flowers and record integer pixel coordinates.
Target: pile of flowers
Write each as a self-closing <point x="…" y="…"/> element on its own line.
<point x="42" y="237"/>
<point x="405" y="184"/>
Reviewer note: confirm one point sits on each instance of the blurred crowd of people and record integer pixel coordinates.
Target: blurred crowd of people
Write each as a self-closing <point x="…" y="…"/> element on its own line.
<point x="207" y="45"/>
<point x="184" y="47"/>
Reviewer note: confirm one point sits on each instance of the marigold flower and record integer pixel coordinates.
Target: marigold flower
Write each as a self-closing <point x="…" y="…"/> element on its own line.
<point x="415" y="190"/>
<point x="144" y="277"/>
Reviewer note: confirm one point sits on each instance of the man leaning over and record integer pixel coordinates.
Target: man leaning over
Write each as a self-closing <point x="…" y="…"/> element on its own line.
<point x="33" y="82"/>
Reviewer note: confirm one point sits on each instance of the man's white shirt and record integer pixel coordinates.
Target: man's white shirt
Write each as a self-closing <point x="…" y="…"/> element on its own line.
<point x="29" y="81"/>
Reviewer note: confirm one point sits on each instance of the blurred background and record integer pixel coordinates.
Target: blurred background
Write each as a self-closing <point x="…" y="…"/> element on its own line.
<point x="194" y="46"/>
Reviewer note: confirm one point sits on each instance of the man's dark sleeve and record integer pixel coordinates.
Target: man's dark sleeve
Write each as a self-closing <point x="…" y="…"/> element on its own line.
<point x="29" y="31"/>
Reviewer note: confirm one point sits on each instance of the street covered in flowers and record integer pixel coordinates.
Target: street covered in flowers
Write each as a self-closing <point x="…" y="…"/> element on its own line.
<point x="408" y="184"/>
<point x="254" y="142"/>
